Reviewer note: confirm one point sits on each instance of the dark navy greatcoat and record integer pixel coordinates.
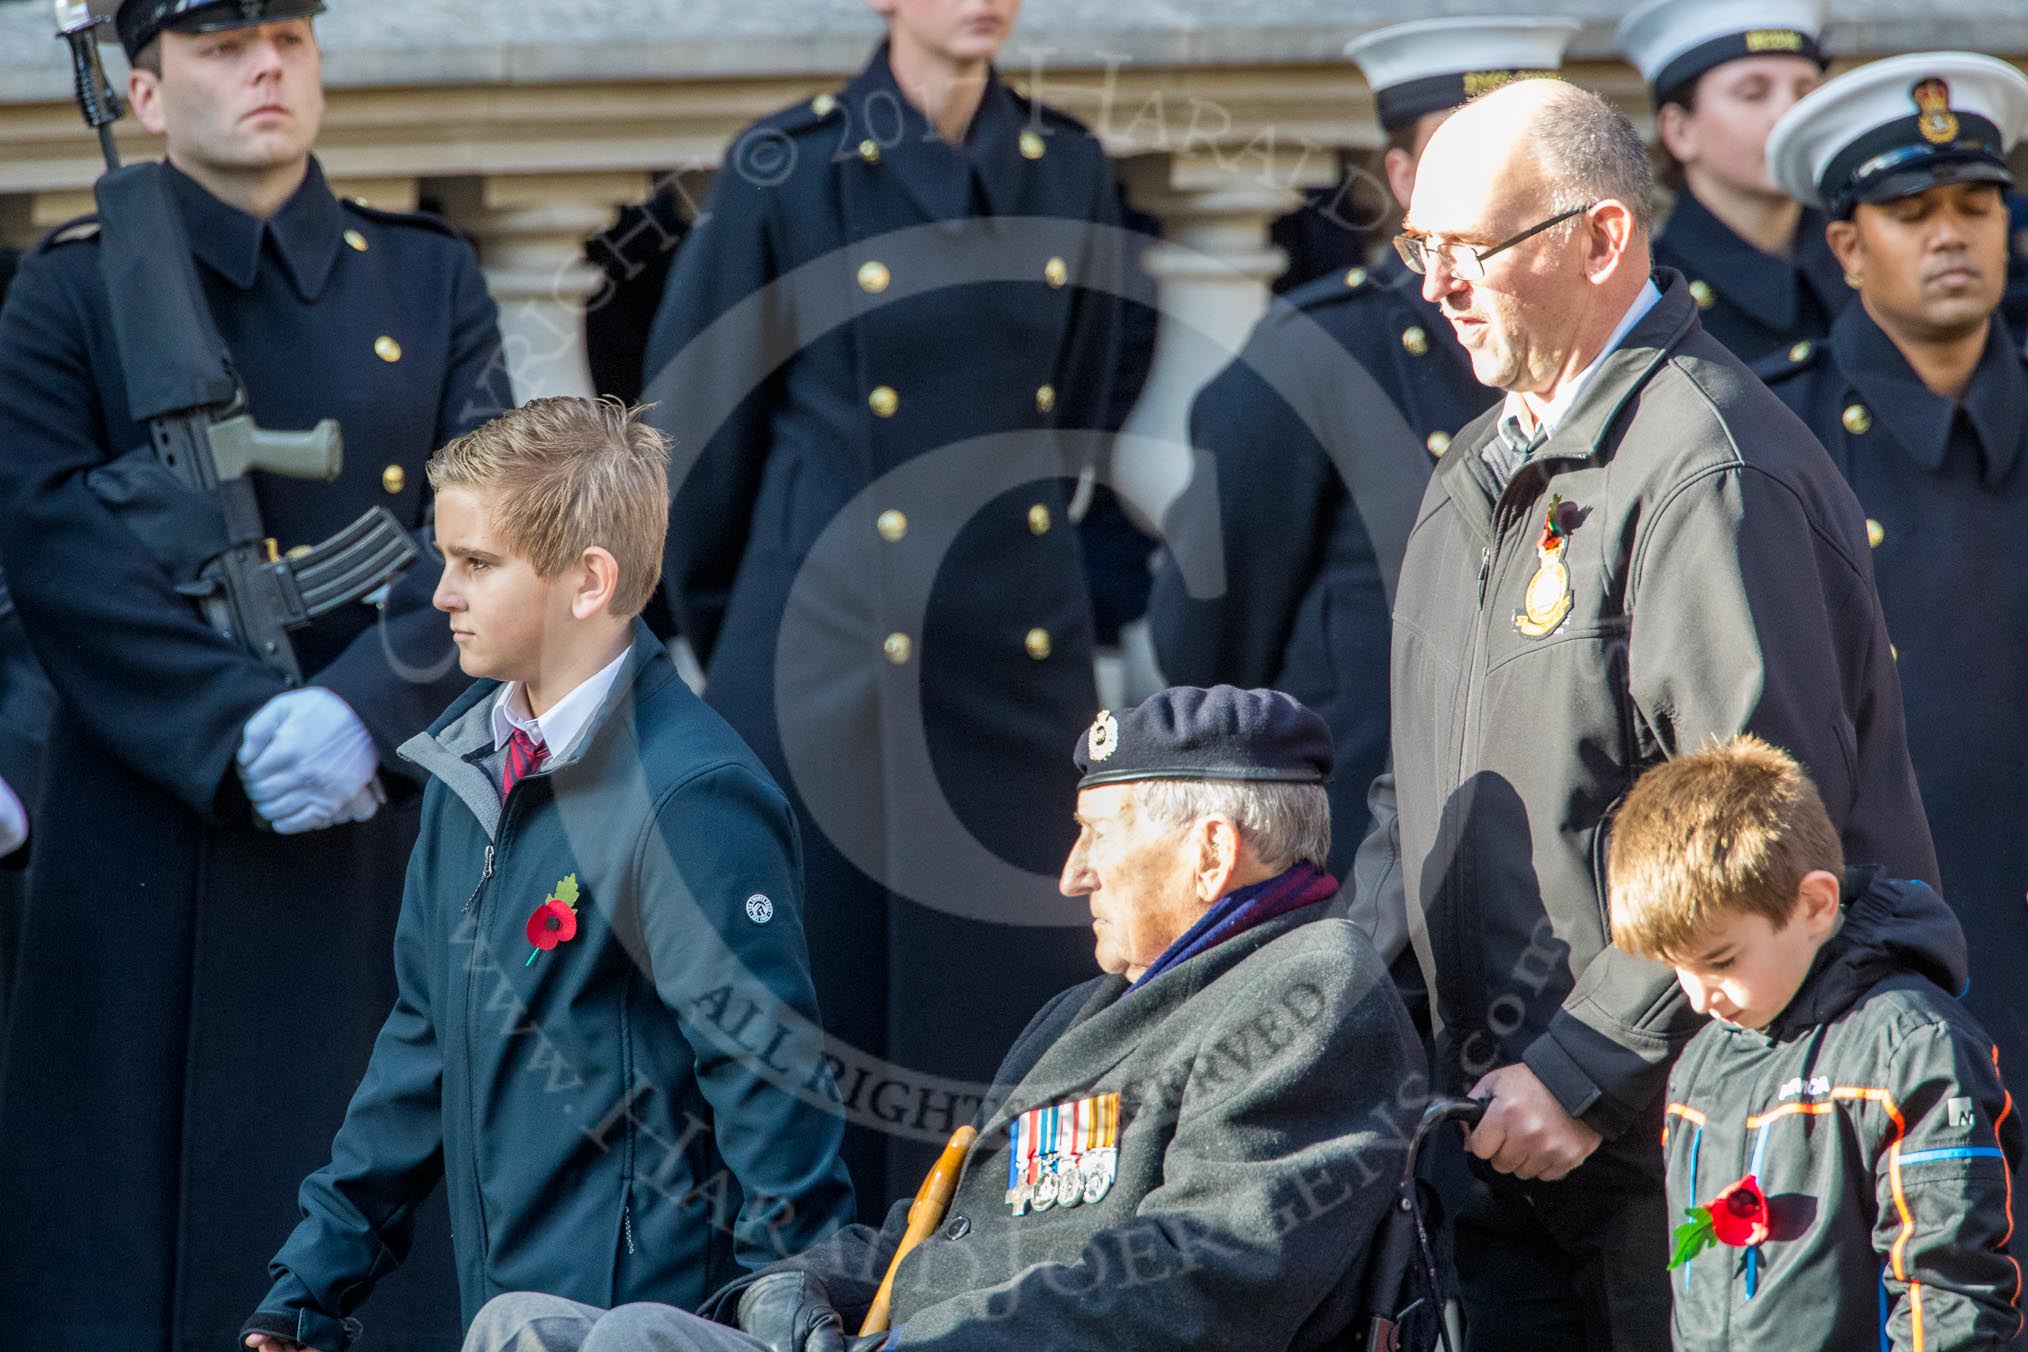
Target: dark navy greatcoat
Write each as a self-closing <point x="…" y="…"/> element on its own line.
<point x="891" y="611"/>
<point x="1944" y="485"/>
<point x="25" y="703"/>
<point x="198" y="997"/>
<point x="1314" y="447"/>
<point x="1749" y="300"/>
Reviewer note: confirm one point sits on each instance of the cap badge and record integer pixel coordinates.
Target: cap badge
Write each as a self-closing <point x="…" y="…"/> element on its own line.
<point x="1104" y="738"/>
<point x="1774" y="40"/>
<point x="1937" y="122"/>
<point x="1479" y="82"/>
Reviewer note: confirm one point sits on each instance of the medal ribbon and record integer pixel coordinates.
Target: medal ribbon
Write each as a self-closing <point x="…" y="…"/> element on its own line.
<point x="1055" y="1140"/>
<point x="1553" y="531"/>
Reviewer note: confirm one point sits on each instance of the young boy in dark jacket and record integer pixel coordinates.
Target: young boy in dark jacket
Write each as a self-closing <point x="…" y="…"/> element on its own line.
<point x="1838" y="1135"/>
<point x="606" y="1041"/>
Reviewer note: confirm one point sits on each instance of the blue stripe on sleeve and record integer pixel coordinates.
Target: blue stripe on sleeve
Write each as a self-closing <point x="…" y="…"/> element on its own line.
<point x="1956" y="1152"/>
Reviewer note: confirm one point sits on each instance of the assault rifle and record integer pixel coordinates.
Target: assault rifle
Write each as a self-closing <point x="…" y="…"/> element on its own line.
<point x="186" y="494"/>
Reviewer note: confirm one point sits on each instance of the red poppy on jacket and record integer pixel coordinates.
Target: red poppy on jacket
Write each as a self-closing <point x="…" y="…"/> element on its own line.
<point x="553" y="923"/>
<point x="1739" y="1214"/>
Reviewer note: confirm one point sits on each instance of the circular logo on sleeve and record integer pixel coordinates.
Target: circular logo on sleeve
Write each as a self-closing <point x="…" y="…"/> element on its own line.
<point x="759" y="909"/>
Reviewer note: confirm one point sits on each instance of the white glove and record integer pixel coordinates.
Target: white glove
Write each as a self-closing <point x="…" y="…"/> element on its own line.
<point x="308" y="762"/>
<point x="13" y="820"/>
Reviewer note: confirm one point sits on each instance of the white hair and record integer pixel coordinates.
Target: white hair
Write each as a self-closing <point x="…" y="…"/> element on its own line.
<point x="1283" y="823"/>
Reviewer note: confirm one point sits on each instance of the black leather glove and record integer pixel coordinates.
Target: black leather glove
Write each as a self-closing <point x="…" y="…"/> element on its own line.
<point x="791" y="1312"/>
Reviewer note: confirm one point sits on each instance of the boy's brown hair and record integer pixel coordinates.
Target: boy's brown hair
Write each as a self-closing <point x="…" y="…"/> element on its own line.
<point x="564" y="474"/>
<point x="1726" y="831"/>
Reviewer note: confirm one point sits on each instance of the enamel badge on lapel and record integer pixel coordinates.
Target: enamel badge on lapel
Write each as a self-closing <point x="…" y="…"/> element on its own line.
<point x="1066" y="1154"/>
<point x="1547" y="600"/>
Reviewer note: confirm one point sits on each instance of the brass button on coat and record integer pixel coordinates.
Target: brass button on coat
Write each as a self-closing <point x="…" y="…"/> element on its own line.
<point x="892" y="525"/>
<point x="1037" y="643"/>
<point x="1356" y="277"/>
<point x="1438" y="443"/>
<point x="823" y="104"/>
<point x="1415" y="340"/>
<point x="1857" y="419"/>
<point x="873" y="277"/>
<point x="1875" y="532"/>
<point x="869" y="150"/>
<point x="897" y="647"/>
<point x="1038" y="520"/>
<point x="387" y="349"/>
<point x="394" y="478"/>
<point x="883" y="401"/>
<point x="1800" y="352"/>
<point x="1031" y="145"/>
<point x="1045" y="399"/>
<point x="356" y="241"/>
<point x="1056" y="272"/>
<point x="1700" y="291"/>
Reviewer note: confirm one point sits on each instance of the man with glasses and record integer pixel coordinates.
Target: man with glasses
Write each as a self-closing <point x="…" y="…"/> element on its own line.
<point x="1636" y="551"/>
<point x="1348" y="390"/>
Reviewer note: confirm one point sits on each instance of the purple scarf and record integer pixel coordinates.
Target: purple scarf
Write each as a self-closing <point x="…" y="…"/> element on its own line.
<point x="1235" y="912"/>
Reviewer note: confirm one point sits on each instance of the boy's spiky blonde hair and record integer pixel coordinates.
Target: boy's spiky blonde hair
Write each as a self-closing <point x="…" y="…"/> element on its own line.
<point x="564" y="474"/>
<point x="1726" y="831"/>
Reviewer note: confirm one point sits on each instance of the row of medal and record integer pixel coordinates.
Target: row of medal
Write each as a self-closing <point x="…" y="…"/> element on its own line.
<point x="1065" y="1154"/>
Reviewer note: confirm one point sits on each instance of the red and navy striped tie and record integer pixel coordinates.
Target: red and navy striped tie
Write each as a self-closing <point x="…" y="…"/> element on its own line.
<point x="524" y="757"/>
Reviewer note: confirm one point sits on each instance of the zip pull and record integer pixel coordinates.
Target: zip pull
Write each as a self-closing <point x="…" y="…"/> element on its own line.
<point x="484" y="874"/>
<point x="1485" y="570"/>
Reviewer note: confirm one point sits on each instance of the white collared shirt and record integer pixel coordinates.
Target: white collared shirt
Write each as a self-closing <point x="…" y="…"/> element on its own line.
<point x="566" y="720"/>
<point x="1553" y="413"/>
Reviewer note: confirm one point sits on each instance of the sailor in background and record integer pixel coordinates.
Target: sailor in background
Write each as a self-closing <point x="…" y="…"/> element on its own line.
<point x="1921" y="395"/>
<point x="1721" y="73"/>
<point x="867" y="589"/>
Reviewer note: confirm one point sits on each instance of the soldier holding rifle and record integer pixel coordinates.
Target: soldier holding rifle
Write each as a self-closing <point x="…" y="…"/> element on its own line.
<point x="213" y="892"/>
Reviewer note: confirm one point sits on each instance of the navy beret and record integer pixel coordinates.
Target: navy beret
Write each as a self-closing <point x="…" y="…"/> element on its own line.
<point x="1222" y="733"/>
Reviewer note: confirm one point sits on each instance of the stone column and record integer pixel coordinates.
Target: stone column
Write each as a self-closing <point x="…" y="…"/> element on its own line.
<point x="1212" y="271"/>
<point x="531" y="230"/>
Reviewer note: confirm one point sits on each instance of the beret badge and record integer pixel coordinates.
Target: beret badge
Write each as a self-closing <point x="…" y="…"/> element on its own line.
<point x="1104" y="735"/>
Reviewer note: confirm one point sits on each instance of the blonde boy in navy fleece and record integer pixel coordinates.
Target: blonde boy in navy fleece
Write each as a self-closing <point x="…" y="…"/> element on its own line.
<point x="606" y="1043"/>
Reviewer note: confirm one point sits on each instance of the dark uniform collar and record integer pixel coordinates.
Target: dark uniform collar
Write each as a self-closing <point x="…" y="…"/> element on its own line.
<point x="306" y="233"/>
<point x="1995" y="403"/>
<point x="937" y="174"/>
<point x="1767" y="288"/>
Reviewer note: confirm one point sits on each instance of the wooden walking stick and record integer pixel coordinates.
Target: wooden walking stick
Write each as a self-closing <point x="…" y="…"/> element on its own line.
<point x="925" y="1214"/>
